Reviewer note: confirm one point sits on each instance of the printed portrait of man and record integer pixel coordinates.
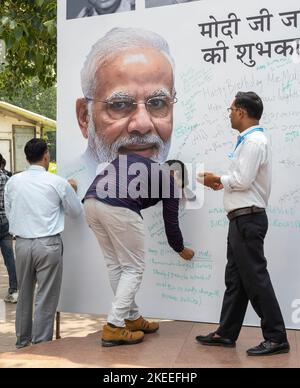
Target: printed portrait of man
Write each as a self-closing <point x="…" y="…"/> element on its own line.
<point x="128" y="98"/>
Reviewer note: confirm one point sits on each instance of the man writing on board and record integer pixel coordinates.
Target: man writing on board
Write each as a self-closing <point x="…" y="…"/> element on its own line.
<point x="36" y="203"/>
<point x="113" y="206"/>
<point x="246" y="192"/>
<point x="129" y="110"/>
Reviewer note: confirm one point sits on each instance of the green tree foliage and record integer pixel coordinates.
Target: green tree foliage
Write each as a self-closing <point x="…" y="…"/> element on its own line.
<point x="33" y="97"/>
<point x="28" y="28"/>
<point x="37" y="99"/>
<point x="50" y="138"/>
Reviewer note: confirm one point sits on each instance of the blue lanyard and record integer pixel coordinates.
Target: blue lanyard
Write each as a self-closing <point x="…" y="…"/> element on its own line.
<point x="242" y="138"/>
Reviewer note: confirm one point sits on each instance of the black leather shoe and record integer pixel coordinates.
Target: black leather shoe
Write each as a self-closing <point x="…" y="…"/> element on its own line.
<point x="268" y="348"/>
<point x="212" y="340"/>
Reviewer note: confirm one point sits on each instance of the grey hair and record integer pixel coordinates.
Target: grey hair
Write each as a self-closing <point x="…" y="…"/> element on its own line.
<point x="114" y="41"/>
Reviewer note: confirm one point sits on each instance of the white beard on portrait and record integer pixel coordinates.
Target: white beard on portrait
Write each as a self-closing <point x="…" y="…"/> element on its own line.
<point x="103" y="152"/>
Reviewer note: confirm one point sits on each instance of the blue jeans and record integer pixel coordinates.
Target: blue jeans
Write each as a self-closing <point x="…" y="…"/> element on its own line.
<point x="8" y="256"/>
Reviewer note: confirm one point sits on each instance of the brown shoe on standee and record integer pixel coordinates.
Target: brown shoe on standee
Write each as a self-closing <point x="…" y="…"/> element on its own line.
<point x="142" y="324"/>
<point x="114" y="336"/>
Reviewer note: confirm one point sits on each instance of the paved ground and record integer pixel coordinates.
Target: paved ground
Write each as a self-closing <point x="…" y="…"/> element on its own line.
<point x="72" y="325"/>
<point x="173" y="345"/>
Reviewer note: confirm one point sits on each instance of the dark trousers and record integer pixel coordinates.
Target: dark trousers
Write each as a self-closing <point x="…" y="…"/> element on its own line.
<point x="247" y="278"/>
<point x="7" y="251"/>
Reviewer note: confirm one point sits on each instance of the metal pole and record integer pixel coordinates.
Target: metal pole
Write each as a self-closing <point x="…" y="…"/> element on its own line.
<point x="58" y="325"/>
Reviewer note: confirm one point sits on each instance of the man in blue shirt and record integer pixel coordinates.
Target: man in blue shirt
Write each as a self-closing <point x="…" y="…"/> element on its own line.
<point x="36" y="202"/>
<point x="113" y="205"/>
<point x="247" y="187"/>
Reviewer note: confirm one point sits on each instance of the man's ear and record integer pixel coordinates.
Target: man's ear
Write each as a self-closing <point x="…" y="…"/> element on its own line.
<point x="243" y="113"/>
<point x="82" y="116"/>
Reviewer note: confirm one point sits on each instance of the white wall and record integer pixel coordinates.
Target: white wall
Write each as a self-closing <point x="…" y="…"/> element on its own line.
<point x="6" y="132"/>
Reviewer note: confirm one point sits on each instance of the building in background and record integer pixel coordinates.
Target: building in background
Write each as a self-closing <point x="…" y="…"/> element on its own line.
<point x="17" y="126"/>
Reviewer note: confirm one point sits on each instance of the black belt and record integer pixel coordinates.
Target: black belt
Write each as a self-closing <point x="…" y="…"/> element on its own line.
<point x="244" y="211"/>
<point x="35" y="238"/>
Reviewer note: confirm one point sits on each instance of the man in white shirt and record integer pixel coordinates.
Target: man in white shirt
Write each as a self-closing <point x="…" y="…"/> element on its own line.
<point x="35" y="203"/>
<point x="247" y="189"/>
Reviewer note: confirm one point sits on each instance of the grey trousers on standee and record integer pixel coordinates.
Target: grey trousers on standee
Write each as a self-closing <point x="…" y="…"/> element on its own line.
<point x="38" y="261"/>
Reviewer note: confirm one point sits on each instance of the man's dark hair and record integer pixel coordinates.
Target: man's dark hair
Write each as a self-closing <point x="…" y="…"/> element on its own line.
<point x="251" y="102"/>
<point x="35" y="150"/>
<point x="178" y="165"/>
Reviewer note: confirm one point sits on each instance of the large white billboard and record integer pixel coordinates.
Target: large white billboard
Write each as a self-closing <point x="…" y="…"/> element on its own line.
<point x="219" y="48"/>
